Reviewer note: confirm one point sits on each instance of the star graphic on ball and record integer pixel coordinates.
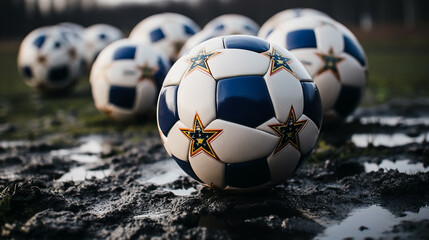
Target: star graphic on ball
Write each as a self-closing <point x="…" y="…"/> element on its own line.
<point x="278" y="62"/>
<point x="201" y="138"/>
<point x="329" y="63"/>
<point x="288" y="131"/>
<point x="146" y="72"/>
<point x="199" y="61"/>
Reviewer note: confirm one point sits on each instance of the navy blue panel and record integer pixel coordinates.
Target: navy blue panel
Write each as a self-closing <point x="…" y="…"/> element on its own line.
<point x="250" y="43"/>
<point x="247" y="174"/>
<point x="102" y="36"/>
<point x="124" y="53"/>
<point x="301" y="39"/>
<point x="219" y="27"/>
<point x="187" y="168"/>
<point x="251" y="29"/>
<point x="161" y="73"/>
<point x="38" y="42"/>
<point x="123" y="97"/>
<point x="352" y="48"/>
<point x="58" y="74"/>
<point x="244" y="100"/>
<point x="57" y="44"/>
<point x="27" y="72"/>
<point x="189" y="30"/>
<point x="167" y="109"/>
<point x="269" y="32"/>
<point x="156" y="35"/>
<point x="348" y="100"/>
<point x="312" y="102"/>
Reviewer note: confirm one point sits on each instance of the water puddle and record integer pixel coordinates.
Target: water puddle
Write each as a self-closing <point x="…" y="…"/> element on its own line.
<point x="363" y="140"/>
<point x="404" y="166"/>
<point x="395" y="121"/>
<point x="161" y="172"/>
<point x="153" y="216"/>
<point x="88" y="155"/>
<point x="370" y="222"/>
<point x="164" y="172"/>
<point x="82" y="173"/>
<point x="12" y="144"/>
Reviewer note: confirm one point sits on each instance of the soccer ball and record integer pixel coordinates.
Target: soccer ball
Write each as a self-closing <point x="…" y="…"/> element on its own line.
<point x="97" y="37"/>
<point x="285" y="16"/>
<point x="49" y="61"/>
<point x="333" y="57"/>
<point x="166" y="31"/>
<point x="126" y="78"/>
<point x="238" y="113"/>
<point x="198" y="38"/>
<point x="231" y="24"/>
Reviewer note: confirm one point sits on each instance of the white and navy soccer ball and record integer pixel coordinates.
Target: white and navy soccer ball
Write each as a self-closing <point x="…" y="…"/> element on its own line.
<point x="284" y="16"/>
<point x="239" y="113"/>
<point x="126" y="78"/>
<point x="232" y="24"/>
<point x="198" y="38"/>
<point x="166" y="31"/>
<point x="97" y="37"/>
<point x="333" y="57"/>
<point x="49" y="61"/>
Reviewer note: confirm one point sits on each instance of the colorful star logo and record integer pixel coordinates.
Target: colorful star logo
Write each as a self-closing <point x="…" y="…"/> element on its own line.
<point x="201" y="138"/>
<point x="146" y="72"/>
<point x="288" y="131"/>
<point x="199" y="61"/>
<point x="329" y="63"/>
<point x="278" y="62"/>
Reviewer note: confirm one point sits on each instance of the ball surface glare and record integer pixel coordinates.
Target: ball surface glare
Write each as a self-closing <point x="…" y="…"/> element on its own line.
<point x="238" y="113"/>
<point x="126" y="78"/>
<point x="333" y="57"/>
<point x="166" y="31"/>
<point x="97" y="37"/>
<point x="49" y="60"/>
<point x="285" y="16"/>
<point x="232" y="24"/>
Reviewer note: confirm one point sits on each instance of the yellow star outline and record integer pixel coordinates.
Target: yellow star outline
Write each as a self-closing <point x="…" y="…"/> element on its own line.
<point x="201" y="138"/>
<point x="199" y="61"/>
<point x="329" y="63"/>
<point x="288" y="131"/>
<point x="278" y="62"/>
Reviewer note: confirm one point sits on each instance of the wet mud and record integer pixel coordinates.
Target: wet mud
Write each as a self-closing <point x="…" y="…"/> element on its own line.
<point x="367" y="178"/>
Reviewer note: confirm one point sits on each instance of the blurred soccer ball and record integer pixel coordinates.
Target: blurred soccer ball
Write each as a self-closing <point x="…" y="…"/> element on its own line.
<point x="231" y="24"/>
<point x="166" y="31"/>
<point x="97" y="37"/>
<point x="238" y="113"/>
<point x="333" y="57"/>
<point x="126" y="78"/>
<point x="284" y="16"/>
<point x="49" y="61"/>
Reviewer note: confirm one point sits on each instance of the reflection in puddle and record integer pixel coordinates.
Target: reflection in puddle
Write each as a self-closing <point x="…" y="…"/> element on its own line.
<point x="153" y="216"/>
<point x="394" y="140"/>
<point x="88" y="154"/>
<point x="403" y="166"/>
<point x="161" y="172"/>
<point x="371" y="222"/>
<point x="12" y="144"/>
<point x="82" y="173"/>
<point x="394" y="121"/>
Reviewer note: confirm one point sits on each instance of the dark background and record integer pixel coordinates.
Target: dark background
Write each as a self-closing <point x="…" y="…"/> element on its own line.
<point x="18" y="17"/>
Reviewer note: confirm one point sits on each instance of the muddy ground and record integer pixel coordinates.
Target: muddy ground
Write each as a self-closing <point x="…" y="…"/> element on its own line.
<point x="366" y="178"/>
